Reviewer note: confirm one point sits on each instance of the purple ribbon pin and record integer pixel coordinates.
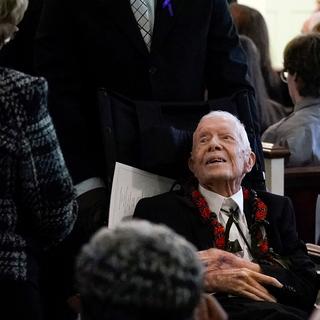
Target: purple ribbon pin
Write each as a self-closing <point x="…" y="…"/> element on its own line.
<point x="168" y="4"/>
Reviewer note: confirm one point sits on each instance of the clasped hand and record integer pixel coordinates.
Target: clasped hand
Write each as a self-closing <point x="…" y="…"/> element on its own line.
<point x="228" y="273"/>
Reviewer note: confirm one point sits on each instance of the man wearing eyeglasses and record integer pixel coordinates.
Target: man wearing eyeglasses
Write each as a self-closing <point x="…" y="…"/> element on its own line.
<point x="300" y="131"/>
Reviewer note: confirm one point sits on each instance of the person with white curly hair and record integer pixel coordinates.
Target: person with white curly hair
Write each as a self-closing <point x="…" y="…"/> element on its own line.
<point x="138" y="271"/>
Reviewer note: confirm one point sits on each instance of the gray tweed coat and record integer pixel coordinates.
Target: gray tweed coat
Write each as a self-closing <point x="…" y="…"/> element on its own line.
<point x="37" y="206"/>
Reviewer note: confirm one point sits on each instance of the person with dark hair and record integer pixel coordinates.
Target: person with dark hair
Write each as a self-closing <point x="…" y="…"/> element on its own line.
<point x="255" y="263"/>
<point x="251" y="23"/>
<point x="300" y="132"/>
<point x="138" y="271"/>
<point x="37" y="199"/>
<point x="270" y="111"/>
<point x="311" y="22"/>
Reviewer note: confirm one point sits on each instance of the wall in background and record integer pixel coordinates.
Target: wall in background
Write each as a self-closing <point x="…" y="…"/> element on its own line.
<point x="284" y="19"/>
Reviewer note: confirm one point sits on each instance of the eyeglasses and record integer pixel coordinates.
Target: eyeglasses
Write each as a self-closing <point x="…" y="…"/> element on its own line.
<point x="284" y="76"/>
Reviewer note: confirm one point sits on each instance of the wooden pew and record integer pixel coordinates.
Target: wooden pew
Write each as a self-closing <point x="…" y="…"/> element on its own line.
<point x="302" y="185"/>
<point x="274" y="156"/>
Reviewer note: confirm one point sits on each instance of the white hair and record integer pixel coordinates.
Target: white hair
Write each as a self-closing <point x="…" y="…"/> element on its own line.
<point x="139" y="266"/>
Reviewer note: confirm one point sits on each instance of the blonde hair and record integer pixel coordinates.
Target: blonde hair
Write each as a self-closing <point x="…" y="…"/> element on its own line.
<point x="12" y="10"/>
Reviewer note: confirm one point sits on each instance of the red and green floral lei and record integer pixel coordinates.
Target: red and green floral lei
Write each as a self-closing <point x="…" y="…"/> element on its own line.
<point x="259" y="241"/>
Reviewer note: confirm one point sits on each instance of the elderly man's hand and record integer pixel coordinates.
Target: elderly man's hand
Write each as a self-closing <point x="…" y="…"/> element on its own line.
<point x="216" y="259"/>
<point x="228" y="273"/>
<point x="241" y="282"/>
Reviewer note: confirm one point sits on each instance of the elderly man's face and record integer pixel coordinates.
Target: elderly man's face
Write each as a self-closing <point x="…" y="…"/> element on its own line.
<point x="217" y="154"/>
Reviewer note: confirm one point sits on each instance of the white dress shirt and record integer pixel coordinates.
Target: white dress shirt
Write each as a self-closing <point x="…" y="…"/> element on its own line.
<point x="215" y="202"/>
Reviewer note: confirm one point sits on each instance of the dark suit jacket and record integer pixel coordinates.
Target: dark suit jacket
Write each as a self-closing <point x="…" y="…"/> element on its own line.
<point x="178" y="212"/>
<point x="84" y="45"/>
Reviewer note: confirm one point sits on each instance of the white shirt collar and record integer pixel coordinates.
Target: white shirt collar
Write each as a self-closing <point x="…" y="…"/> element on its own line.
<point x="216" y="200"/>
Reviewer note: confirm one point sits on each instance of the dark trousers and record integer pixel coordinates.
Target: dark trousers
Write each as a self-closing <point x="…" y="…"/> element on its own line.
<point x="239" y="308"/>
<point x="58" y="264"/>
<point x="20" y="300"/>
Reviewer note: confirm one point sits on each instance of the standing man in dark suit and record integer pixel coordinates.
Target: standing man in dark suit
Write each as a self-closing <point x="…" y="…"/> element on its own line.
<point x="183" y="49"/>
<point x="255" y="262"/>
<point x="82" y="46"/>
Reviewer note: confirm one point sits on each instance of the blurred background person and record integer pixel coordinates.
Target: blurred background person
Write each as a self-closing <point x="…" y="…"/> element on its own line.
<point x="139" y="271"/>
<point x="314" y="18"/>
<point x="311" y="22"/>
<point x="252" y="24"/>
<point x="37" y="206"/>
<point x="270" y="111"/>
<point x="300" y="131"/>
<point x="316" y="28"/>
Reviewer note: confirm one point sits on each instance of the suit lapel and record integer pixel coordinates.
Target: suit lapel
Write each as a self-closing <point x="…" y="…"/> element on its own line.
<point x="164" y="22"/>
<point x="200" y="233"/>
<point x="121" y="13"/>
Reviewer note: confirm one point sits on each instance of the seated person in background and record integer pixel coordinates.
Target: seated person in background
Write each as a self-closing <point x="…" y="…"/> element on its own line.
<point x="314" y="18"/>
<point x="251" y="23"/>
<point x="270" y="111"/>
<point x="267" y="273"/>
<point x="311" y="22"/>
<point x="37" y="206"/>
<point x="300" y="131"/>
<point x="139" y="271"/>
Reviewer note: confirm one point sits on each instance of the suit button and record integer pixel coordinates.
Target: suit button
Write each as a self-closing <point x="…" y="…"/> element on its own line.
<point x="153" y="70"/>
<point x="290" y="289"/>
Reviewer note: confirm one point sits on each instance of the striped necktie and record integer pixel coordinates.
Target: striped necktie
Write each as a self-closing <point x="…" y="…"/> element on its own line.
<point x="141" y="11"/>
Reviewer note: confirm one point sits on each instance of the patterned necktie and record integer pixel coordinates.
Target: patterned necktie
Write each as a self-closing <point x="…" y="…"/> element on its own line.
<point x="230" y="208"/>
<point x="141" y="13"/>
